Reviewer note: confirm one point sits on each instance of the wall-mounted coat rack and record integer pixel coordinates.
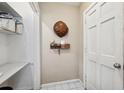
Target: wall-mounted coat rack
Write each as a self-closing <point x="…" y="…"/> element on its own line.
<point x="59" y="46"/>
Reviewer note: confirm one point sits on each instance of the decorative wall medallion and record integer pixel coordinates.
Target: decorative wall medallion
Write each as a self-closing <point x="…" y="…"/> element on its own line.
<point x="60" y="28"/>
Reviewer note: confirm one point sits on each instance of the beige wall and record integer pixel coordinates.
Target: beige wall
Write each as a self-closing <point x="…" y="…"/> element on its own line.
<point x="65" y="66"/>
<point x="83" y="7"/>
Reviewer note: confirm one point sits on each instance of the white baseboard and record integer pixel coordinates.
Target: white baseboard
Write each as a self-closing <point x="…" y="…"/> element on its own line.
<point x="61" y="82"/>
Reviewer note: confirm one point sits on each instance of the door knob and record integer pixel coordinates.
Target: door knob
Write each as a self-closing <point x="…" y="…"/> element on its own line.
<point x="117" y="65"/>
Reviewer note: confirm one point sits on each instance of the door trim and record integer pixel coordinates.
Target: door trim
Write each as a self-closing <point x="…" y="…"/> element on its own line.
<point x="123" y="44"/>
<point x="37" y="34"/>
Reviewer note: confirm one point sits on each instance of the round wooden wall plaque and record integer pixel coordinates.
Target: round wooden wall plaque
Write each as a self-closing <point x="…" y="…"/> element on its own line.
<point x="60" y="28"/>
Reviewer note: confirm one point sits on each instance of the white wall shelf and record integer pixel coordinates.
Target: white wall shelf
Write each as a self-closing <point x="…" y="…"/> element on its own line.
<point x="10" y="24"/>
<point x="9" y="69"/>
<point x="9" y="32"/>
<point x="7" y="8"/>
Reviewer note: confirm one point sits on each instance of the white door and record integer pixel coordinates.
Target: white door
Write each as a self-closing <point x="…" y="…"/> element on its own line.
<point x="104" y="44"/>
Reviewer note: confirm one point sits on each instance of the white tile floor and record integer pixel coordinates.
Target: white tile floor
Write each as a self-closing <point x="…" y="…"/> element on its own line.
<point x="75" y="84"/>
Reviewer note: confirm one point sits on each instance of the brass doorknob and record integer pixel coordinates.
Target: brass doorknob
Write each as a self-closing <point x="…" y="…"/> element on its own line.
<point x="117" y="65"/>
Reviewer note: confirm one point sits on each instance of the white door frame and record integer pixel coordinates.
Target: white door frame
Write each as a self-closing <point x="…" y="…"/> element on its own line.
<point x="37" y="62"/>
<point x="85" y="47"/>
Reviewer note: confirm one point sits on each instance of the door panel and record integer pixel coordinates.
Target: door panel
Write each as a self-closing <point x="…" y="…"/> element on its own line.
<point x="107" y="36"/>
<point x="92" y="29"/>
<point x="109" y="46"/>
<point x="92" y="73"/>
<point x="92" y="17"/>
<point x="106" y="77"/>
<point x="106" y="8"/>
<point x="104" y="27"/>
<point x="92" y="37"/>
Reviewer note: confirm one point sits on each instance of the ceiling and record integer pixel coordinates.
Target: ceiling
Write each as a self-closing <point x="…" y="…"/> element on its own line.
<point x="68" y="3"/>
<point x="72" y="3"/>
